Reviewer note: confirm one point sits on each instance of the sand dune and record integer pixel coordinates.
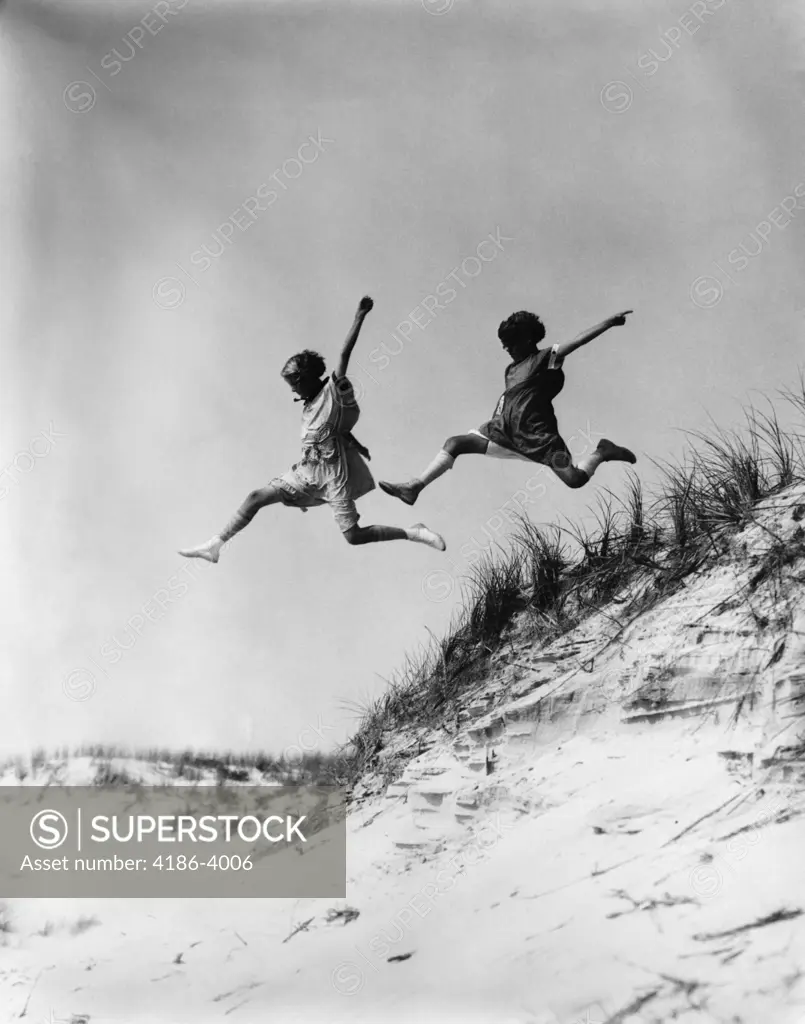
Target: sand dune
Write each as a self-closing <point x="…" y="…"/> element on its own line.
<point x="614" y="835"/>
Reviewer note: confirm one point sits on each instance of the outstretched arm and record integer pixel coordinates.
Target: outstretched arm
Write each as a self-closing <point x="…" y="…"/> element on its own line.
<point x="360" y="315"/>
<point x="570" y="346"/>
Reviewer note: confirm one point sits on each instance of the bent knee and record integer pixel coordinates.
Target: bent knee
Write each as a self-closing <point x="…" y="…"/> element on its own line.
<point x="463" y="444"/>
<point x="353" y="535"/>
<point x="576" y="478"/>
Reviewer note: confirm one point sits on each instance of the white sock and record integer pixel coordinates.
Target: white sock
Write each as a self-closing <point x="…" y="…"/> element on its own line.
<point x="590" y="463"/>
<point x="443" y="461"/>
<point x="421" y="534"/>
<point x="209" y="551"/>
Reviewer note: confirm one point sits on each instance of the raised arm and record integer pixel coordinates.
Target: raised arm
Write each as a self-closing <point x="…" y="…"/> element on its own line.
<point x="360" y="315"/>
<point x="566" y="347"/>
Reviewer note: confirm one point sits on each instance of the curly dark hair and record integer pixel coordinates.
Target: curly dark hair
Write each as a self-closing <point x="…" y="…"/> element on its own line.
<point x="522" y="326"/>
<point x="304" y="364"/>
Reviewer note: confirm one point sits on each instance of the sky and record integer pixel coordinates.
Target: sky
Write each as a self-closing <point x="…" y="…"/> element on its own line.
<point x="193" y="190"/>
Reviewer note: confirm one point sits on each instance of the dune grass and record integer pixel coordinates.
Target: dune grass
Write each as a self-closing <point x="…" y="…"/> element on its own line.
<point x="544" y="582"/>
<point x="204" y="767"/>
<point x="551" y="578"/>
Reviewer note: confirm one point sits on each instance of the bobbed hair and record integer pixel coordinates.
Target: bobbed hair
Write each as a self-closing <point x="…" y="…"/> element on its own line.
<point x="305" y="364"/>
<point x="522" y="326"/>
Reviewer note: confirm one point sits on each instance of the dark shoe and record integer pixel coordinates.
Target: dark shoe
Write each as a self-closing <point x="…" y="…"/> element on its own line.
<point x="405" y="492"/>
<point x="614" y="452"/>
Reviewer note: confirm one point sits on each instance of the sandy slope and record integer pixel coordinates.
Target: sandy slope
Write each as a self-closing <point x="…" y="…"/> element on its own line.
<point x="622" y="859"/>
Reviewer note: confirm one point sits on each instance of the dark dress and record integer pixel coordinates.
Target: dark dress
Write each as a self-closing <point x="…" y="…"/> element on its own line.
<point x="524" y="420"/>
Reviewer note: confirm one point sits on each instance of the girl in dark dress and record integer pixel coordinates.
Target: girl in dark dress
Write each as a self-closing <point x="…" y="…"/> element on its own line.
<point x="524" y="424"/>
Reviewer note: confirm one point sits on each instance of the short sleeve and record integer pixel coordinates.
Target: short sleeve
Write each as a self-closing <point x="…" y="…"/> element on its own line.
<point x="341" y="386"/>
<point x="343" y="393"/>
<point x="555" y="360"/>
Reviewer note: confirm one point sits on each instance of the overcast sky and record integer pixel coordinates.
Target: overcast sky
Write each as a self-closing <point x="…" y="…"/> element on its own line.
<point x="623" y="158"/>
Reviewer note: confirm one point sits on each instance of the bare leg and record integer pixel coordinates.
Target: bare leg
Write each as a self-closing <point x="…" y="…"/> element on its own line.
<point x="255" y="500"/>
<point x="459" y="444"/>
<point x="374" y="534"/>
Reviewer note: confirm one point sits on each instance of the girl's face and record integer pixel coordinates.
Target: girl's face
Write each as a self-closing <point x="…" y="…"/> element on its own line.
<point x="519" y="347"/>
<point x="305" y="386"/>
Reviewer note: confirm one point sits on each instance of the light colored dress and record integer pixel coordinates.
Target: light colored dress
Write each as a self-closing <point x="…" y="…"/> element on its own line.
<point x="332" y="470"/>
